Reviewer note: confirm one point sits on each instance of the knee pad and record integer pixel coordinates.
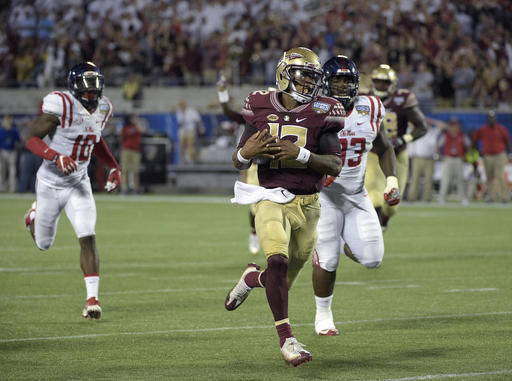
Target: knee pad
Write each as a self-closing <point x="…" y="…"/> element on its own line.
<point x="44" y="244"/>
<point x="371" y="265"/>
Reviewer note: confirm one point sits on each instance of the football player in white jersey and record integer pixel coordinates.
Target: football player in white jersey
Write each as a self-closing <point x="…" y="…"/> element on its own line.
<point x="71" y="124"/>
<point x="348" y="222"/>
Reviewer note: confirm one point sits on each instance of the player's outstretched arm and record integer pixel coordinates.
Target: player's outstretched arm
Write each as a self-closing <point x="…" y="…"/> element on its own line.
<point x="41" y="127"/>
<point x="102" y="151"/>
<point x="384" y="149"/>
<point x="387" y="160"/>
<point x="416" y="117"/>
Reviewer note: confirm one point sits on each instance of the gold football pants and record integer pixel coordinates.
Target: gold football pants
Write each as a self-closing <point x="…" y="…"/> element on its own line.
<point x="289" y="229"/>
<point x="375" y="181"/>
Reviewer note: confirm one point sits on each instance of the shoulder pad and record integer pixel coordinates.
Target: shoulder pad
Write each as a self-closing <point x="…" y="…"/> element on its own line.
<point x="53" y="104"/>
<point x="256" y="99"/>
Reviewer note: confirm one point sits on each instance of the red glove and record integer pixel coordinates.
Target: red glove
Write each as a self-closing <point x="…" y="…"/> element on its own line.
<point x="392" y="192"/>
<point x="114" y="179"/>
<point x="66" y="164"/>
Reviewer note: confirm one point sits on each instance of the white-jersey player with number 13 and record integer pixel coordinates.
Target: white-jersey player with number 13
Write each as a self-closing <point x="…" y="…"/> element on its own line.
<point x="71" y="124"/>
<point x="348" y="222"/>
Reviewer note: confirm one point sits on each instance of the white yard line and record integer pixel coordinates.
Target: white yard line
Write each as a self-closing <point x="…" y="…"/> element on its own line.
<point x="217" y="329"/>
<point x="472" y="290"/>
<point x="449" y="375"/>
<point x="395" y="286"/>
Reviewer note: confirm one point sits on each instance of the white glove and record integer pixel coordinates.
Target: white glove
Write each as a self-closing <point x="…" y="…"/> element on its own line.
<point x="392" y="192"/>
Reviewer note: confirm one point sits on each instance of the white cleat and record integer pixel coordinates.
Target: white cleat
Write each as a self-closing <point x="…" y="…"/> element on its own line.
<point x="293" y="352"/>
<point x="240" y="292"/>
<point x="324" y="324"/>
<point x="254" y="244"/>
<point x="92" y="309"/>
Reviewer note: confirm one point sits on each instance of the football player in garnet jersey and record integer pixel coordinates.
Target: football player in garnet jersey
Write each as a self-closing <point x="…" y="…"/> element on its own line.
<point x="401" y="108"/>
<point x="348" y="222"/>
<point x="71" y="123"/>
<point x="292" y="135"/>
<point x="249" y="176"/>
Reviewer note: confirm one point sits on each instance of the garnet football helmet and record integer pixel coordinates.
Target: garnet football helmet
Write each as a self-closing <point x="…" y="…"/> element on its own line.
<point x="384" y="81"/>
<point x="85" y="82"/>
<point x="341" y="79"/>
<point x="299" y="74"/>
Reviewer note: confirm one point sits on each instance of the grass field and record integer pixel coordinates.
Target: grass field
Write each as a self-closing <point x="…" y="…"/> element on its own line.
<point x="439" y="307"/>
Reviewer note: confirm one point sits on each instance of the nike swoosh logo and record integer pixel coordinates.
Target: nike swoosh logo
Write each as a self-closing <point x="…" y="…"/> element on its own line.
<point x="359" y="123"/>
<point x="300" y="120"/>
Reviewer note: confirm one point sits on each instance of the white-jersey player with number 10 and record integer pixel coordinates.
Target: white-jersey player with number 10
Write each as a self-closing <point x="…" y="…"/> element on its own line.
<point x="348" y="222"/>
<point x="71" y="123"/>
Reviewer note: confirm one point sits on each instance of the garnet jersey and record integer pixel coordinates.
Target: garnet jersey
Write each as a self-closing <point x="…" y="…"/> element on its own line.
<point x="76" y="135"/>
<point x="395" y="121"/>
<point x="303" y="125"/>
<point x="356" y="139"/>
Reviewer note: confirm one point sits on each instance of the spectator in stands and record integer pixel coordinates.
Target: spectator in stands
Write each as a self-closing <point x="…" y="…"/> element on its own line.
<point x="423" y="153"/>
<point x="131" y="136"/>
<point x="221" y="35"/>
<point x="423" y="81"/>
<point x="495" y="142"/>
<point x="9" y="141"/>
<point x="132" y="89"/>
<point x="463" y="78"/>
<point x="189" y="124"/>
<point x="453" y="144"/>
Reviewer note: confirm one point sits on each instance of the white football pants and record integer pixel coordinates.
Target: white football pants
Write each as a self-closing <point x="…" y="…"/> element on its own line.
<point x="77" y="201"/>
<point x="350" y="219"/>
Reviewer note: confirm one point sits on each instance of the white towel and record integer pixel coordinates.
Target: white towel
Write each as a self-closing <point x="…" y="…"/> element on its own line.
<point x="246" y="194"/>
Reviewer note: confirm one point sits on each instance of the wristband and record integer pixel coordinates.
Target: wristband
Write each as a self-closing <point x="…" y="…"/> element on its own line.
<point x="303" y="156"/>
<point x="242" y="159"/>
<point x="407" y="138"/>
<point x="223" y="96"/>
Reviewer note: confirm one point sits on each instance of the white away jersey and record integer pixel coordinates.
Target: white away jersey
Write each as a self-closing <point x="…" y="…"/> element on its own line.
<point x="356" y="140"/>
<point x="76" y="135"/>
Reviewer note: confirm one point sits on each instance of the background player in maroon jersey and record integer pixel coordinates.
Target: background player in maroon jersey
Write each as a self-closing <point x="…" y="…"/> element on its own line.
<point x="401" y="108"/>
<point x="292" y="134"/>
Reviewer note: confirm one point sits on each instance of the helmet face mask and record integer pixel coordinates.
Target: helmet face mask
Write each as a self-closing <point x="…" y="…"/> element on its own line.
<point x="384" y="81"/>
<point x="299" y="74"/>
<point x="86" y="84"/>
<point x="341" y="80"/>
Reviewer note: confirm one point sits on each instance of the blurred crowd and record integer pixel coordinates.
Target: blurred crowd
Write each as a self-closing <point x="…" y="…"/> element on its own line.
<point x="455" y="53"/>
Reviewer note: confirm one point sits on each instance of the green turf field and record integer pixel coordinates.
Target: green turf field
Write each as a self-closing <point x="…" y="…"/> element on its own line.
<point x="439" y="307"/>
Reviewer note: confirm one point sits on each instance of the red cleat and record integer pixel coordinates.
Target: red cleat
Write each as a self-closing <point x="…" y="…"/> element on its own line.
<point x="28" y="218"/>
<point x="92" y="309"/>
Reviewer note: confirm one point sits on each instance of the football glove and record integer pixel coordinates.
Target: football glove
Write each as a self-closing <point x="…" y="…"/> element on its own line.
<point x="392" y="192"/>
<point x="66" y="164"/>
<point x="401" y="140"/>
<point x="114" y="179"/>
<point x="329" y="180"/>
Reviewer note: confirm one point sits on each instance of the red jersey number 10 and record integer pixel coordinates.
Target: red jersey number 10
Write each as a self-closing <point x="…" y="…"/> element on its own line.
<point x="83" y="147"/>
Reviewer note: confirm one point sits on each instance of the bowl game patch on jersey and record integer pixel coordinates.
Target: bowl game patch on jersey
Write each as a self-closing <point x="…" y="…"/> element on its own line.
<point x="321" y="107"/>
